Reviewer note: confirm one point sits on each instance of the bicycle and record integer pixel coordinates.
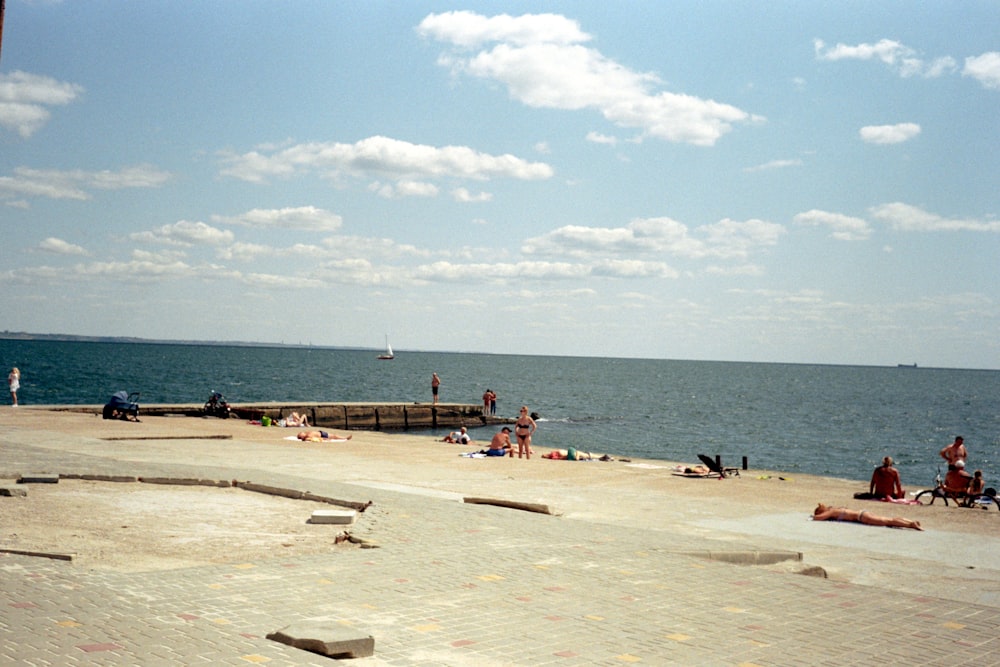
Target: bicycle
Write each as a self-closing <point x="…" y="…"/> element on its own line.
<point x="960" y="498"/>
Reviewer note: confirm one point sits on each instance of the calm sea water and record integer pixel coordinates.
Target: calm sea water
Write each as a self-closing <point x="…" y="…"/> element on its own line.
<point x="834" y="421"/>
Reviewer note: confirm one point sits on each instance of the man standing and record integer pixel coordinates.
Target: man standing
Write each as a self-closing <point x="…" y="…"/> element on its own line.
<point x="435" y="383"/>
<point x="955" y="452"/>
<point x="885" y="481"/>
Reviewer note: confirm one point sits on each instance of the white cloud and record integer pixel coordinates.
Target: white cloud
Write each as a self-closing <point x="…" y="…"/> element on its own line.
<point x="60" y="247"/>
<point x="900" y="58"/>
<point x="24" y="99"/>
<point x="734" y="239"/>
<point x="279" y="282"/>
<point x="724" y="239"/>
<point x="632" y="268"/>
<point x="136" y="269"/>
<point x="408" y="165"/>
<point x="468" y="29"/>
<point x="906" y="218"/>
<point x="985" y="69"/>
<point x="598" y="138"/>
<point x="76" y="184"/>
<point x="185" y="233"/>
<point x="404" y="188"/>
<point x="477" y="272"/>
<point x="307" y="218"/>
<point x="463" y="195"/>
<point x="889" y="134"/>
<point x="774" y="164"/>
<point x="539" y="57"/>
<point x="842" y="227"/>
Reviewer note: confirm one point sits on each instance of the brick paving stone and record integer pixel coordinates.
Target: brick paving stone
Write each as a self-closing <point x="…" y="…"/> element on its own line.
<point x="434" y="594"/>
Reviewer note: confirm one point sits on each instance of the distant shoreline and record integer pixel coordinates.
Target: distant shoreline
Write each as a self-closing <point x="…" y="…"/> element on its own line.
<point x="74" y="338"/>
<point x="77" y="338"/>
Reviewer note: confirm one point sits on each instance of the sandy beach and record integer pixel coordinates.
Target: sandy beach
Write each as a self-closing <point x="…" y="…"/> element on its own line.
<point x="956" y="557"/>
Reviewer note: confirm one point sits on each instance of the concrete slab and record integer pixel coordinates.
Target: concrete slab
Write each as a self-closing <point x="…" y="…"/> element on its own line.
<point x="335" y="641"/>
<point x="39" y="478"/>
<point x="333" y="516"/>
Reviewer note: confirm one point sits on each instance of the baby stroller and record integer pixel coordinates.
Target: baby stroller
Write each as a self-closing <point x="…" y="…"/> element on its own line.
<point x="216" y="406"/>
<point x="122" y="405"/>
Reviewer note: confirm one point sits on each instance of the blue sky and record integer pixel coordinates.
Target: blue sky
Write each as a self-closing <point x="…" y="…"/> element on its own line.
<point x="758" y="181"/>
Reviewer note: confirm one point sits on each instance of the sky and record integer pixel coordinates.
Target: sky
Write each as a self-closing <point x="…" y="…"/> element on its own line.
<point x="801" y="182"/>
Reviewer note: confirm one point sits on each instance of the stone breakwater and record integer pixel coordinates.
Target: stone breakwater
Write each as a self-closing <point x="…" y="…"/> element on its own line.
<point x="347" y="416"/>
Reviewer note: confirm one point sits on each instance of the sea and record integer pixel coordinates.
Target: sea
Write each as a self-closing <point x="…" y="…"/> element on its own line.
<point x="827" y="420"/>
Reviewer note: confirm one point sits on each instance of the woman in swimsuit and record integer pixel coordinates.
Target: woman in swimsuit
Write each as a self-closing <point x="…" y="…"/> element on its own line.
<point x="524" y="427"/>
<point x="826" y="513"/>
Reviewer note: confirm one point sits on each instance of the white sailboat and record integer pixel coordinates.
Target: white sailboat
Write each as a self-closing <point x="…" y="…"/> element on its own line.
<point x="387" y="355"/>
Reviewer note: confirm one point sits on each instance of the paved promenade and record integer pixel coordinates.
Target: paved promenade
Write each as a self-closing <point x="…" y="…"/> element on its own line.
<point x="462" y="584"/>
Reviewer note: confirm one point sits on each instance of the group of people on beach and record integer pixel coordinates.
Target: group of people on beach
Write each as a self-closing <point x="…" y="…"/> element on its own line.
<point x="500" y="444"/>
<point x="957" y="481"/>
<point x="524" y="428"/>
<point x="885" y="484"/>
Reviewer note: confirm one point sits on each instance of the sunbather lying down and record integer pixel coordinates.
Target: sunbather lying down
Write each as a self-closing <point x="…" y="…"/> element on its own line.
<point x="571" y="455"/>
<point x="826" y="513"/>
<point x="320" y="436"/>
<point x="692" y="471"/>
<point x="295" y="419"/>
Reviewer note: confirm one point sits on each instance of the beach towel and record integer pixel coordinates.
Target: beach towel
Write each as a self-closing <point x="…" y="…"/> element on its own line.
<point x="292" y="437"/>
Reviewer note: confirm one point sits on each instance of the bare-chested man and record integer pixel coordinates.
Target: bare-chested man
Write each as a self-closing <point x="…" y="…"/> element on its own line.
<point x="500" y="444"/>
<point x="955" y="452"/>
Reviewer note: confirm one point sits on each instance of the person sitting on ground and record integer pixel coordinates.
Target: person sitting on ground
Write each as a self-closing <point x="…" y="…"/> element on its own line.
<point x="975" y="488"/>
<point x="885" y="481"/>
<point x="458" y="437"/>
<point x="826" y="513"/>
<point x="295" y="419"/>
<point x="500" y="444"/>
<point x="319" y="436"/>
<point x="956" y="480"/>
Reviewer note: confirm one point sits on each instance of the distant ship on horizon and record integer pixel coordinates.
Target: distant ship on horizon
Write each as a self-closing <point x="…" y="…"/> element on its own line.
<point x="913" y="365"/>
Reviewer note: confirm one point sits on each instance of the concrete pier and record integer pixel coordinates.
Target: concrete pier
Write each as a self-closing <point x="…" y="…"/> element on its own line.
<point x="362" y="416"/>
